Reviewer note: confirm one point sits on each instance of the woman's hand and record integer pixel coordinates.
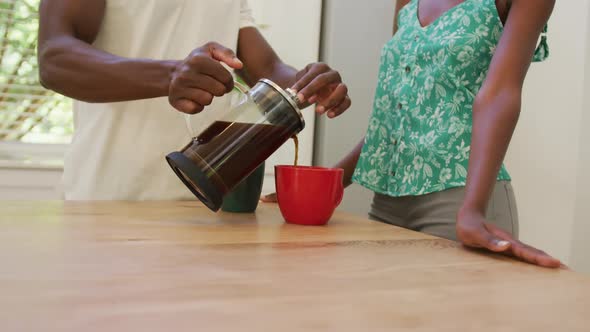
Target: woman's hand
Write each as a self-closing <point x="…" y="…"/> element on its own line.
<point x="270" y="198"/>
<point x="474" y="231"/>
<point x="496" y="110"/>
<point x="321" y="85"/>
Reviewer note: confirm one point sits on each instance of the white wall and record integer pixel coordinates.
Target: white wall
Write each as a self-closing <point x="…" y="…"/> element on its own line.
<point x="544" y="155"/>
<point x="580" y="257"/>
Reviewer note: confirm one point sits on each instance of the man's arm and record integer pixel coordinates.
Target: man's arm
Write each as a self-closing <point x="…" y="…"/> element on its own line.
<point x="70" y="65"/>
<point x="261" y="61"/>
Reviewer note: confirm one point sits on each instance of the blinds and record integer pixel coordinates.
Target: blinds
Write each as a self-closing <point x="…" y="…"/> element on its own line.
<point x="28" y="112"/>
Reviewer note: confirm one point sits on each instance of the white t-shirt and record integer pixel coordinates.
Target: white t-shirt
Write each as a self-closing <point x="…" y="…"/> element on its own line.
<point x="118" y="149"/>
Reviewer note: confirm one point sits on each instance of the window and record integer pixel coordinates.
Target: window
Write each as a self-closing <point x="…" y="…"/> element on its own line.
<point x="28" y="112"/>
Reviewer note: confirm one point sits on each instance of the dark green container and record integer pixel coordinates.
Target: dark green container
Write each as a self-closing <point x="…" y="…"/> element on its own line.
<point x="245" y="197"/>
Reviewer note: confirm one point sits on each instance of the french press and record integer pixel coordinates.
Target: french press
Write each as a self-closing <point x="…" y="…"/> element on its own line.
<point x="236" y="144"/>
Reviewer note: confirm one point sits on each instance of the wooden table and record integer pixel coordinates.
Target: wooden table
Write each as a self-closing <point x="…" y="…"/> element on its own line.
<point x="177" y="267"/>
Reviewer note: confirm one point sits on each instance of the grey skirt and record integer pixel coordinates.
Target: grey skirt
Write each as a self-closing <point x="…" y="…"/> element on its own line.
<point x="436" y="213"/>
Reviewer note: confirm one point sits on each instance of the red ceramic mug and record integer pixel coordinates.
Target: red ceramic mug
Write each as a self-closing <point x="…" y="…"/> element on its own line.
<point x="308" y="195"/>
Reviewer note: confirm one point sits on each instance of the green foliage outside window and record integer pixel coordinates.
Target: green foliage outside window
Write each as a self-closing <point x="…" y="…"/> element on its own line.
<point x="28" y="112"/>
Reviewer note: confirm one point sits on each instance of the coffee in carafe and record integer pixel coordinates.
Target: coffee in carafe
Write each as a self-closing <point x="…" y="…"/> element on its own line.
<point x="232" y="147"/>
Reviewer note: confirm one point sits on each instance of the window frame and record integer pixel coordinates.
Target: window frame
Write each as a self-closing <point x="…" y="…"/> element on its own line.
<point x="32" y="155"/>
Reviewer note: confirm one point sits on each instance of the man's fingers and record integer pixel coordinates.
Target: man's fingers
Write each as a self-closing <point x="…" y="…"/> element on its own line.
<point x="224" y="54"/>
<point x="336" y="111"/>
<point x="312" y="72"/>
<point x="334" y="99"/>
<point x="186" y="106"/>
<point x="320" y="82"/>
<point x="191" y="101"/>
<point x="309" y="73"/>
<point x="212" y="68"/>
<point x="204" y="82"/>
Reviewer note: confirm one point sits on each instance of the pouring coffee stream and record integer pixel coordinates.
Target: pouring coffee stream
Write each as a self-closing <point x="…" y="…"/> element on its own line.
<point x="296" y="142"/>
<point x="233" y="146"/>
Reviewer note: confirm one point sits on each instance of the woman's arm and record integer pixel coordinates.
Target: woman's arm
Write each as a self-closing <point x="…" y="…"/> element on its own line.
<point x="348" y="163"/>
<point x="495" y="114"/>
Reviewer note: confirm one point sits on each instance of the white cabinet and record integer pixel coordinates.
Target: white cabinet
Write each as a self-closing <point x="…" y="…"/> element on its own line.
<point x="29" y="183"/>
<point x="30" y="172"/>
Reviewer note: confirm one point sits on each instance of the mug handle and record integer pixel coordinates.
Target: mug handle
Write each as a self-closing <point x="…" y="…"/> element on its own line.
<point x="239" y="87"/>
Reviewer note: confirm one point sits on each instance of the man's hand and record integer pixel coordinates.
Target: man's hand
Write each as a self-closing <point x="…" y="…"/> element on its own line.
<point x="201" y="77"/>
<point x="321" y="85"/>
<point x="474" y="231"/>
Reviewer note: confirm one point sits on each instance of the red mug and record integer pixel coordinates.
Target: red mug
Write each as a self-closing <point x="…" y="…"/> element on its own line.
<point x="308" y="195"/>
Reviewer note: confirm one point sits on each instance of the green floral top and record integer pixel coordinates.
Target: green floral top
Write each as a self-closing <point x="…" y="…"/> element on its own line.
<point x="420" y="130"/>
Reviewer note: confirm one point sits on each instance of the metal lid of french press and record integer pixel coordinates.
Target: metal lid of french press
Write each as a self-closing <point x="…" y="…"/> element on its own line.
<point x="267" y="101"/>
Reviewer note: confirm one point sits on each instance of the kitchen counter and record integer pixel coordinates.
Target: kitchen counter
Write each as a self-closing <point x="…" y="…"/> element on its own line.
<point x="175" y="266"/>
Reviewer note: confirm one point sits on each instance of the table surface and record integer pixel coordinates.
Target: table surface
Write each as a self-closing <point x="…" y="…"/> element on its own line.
<point x="174" y="266"/>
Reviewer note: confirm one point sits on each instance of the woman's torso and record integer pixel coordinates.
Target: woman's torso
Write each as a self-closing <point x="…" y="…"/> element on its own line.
<point x="420" y="130"/>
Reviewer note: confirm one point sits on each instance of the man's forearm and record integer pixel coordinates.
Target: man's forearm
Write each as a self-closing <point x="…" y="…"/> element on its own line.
<point x="277" y="71"/>
<point x="283" y="74"/>
<point x="78" y="70"/>
<point x="260" y="60"/>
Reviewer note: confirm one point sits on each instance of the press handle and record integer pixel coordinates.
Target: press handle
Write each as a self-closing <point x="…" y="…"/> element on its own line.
<point x="239" y="87"/>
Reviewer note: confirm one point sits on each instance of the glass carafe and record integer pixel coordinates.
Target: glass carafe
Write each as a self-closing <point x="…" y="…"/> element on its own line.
<point x="235" y="144"/>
